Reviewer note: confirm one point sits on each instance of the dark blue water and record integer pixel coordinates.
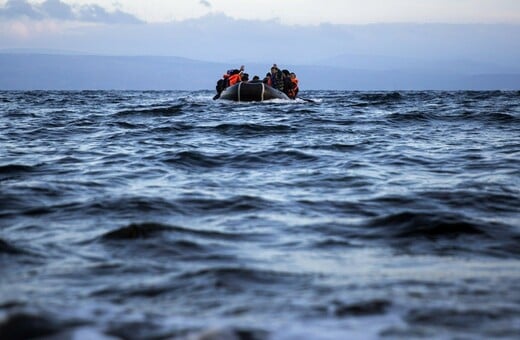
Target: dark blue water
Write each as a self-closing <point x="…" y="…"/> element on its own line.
<point x="153" y="215"/>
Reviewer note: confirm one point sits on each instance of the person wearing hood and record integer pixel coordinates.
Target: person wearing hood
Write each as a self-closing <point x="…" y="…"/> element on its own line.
<point x="275" y="78"/>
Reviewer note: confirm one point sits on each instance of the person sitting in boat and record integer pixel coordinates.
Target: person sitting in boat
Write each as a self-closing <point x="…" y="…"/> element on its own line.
<point x="231" y="77"/>
<point x="267" y="78"/>
<point x="287" y="83"/>
<point x="294" y="88"/>
<point x="275" y="78"/>
<point x="245" y="77"/>
<point x="235" y="77"/>
<point x="256" y="79"/>
<point x="290" y="84"/>
<point x="222" y="83"/>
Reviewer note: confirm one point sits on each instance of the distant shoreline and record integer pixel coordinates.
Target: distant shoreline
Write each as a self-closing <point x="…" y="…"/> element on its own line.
<point x="20" y="70"/>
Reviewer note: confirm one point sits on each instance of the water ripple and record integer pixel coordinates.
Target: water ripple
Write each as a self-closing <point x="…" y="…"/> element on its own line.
<point x="359" y="214"/>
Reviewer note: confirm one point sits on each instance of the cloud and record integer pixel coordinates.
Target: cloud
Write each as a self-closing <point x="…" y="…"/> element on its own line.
<point x="95" y="13"/>
<point x="205" y="3"/>
<point x="58" y="10"/>
<point x="20" y="8"/>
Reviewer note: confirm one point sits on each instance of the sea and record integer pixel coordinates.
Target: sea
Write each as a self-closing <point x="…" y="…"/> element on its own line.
<point x="340" y="215"/>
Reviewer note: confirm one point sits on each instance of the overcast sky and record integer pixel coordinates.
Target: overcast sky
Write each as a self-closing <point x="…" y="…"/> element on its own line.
<point x="303" y="12"/>
<point x="457" y="34"/>
<point x="396" y="37"/>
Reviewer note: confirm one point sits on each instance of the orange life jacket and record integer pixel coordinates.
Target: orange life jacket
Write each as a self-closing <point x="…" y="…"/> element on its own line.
<point x="295" y="82"/>
<point x="234" y="78"/>
<point x="293" y="92"/>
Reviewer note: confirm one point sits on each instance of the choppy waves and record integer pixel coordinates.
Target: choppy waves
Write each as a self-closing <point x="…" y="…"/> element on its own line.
<point x="140" y="215"/>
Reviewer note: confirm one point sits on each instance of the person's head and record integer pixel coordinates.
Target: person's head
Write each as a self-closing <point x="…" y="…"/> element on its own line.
<point x="274" y="69"/>
<point x="286" y="73"/>
<point x="245" y="77"/>
<point x="293" y="75"/>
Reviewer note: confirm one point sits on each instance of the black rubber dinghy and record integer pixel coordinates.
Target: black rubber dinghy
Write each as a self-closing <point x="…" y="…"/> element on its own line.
<point x="251" y="92"/>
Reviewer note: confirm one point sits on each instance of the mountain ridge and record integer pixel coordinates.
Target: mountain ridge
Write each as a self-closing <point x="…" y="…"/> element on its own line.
<point x="40" y="71"/>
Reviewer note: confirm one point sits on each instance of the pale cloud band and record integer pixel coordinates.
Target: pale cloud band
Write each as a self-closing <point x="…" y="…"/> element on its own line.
<point x="292" y="12"/>
<point x="59" y="10"/>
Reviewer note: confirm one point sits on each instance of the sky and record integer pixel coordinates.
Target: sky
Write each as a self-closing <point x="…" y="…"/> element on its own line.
<point x="290" y="12"/>
<point x="451" y="36"/>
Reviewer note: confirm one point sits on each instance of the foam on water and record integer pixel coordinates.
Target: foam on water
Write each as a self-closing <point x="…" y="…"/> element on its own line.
<point x="163" y="214"/>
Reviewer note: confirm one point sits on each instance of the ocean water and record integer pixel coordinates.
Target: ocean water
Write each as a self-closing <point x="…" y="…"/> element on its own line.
<point x="167" y="215"/>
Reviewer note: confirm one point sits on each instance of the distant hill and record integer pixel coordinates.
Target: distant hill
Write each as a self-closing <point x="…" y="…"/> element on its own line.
<point x="78" y="72"/>
<point x="40" y="71"/>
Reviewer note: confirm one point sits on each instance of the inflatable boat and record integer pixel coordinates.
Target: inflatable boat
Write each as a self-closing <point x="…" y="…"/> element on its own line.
<point x="251" y="92"/>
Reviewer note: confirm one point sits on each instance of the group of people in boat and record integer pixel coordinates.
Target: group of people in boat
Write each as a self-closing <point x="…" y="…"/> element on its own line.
<point x="282" y="80"/>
